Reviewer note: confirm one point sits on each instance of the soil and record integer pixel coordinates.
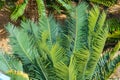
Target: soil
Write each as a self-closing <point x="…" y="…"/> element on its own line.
<point x="4" y="19"/>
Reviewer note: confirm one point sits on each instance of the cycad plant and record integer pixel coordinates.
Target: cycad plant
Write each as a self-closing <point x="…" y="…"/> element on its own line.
<point x="52" y="51"/>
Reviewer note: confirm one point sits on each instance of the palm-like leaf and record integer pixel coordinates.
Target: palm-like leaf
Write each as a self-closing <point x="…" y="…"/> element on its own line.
<point x="9" y="62"/>
<point x="48" y="27"/>
<point x="19" y="11"/>
<point x="107" y="64"/>
<point x="96" y="41"/>
<point x="18" y="43"/>
<point x="41" y="7"/>
<point x="80" y="28"/>
<point x="106" y="3"/>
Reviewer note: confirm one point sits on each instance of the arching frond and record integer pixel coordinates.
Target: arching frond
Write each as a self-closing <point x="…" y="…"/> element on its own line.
<point x="8" y="62"/>
<point x="97" y="40"/>
<point x="81" y="59"/>
<point x="21" y="44"/>
<point x="80" y="29"/>
<point x="107" y="64"/>
<point x="50" y="28"/>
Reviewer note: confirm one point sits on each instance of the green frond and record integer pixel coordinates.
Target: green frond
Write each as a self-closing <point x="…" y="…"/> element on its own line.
<point x="101" y="21"/>
<point x="81" y="59"/>
<point x="42" y="69"/>
<point x="112" y="66"/>
<point x="80" y="29"/>
<point x="41" y="8"/>
<point x="92" y="18"/>
<point x="57" y="54"/>
<point x="66" y="36"/>
<point x="50" y="28"/>
<point x="105" y="2"/>
<point x="97" y="40"/>
<point x="8" y="62"/>
<point x="35" y="47"/>
<point x="97" y="47"/>
<point x="62" y="71"/>
<point x="18" y="11"/>
<point x="32" y="29"/>
<point x="107" y="64"/>
<point x="21" y="45"/>
<point x="72" y="69"/>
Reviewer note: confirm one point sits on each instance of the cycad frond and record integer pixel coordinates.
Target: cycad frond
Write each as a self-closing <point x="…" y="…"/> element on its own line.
<point x="97" y="40"/>
<point x="72" y="68"/>
<point x="107" y="64"/>
<point x="44" y="69"/>
<point x="49" y="27"/>
<point x="41" y="7"/>
<point x="92" y="18"/>
<point x="32" y="48"/>
<point x="21" y="44"/>
<point x="62" y="71"/>
<point x="57" y="54"/>
<point x="81" y="59"/>
<point x="18" y="11"/>
<point x="8" y="62"/>
<point x="80" y="29"/>
<point x="105" y="2"/>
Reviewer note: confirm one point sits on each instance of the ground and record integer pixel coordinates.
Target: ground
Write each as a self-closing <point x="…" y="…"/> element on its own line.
<point x="4" y="19"/>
